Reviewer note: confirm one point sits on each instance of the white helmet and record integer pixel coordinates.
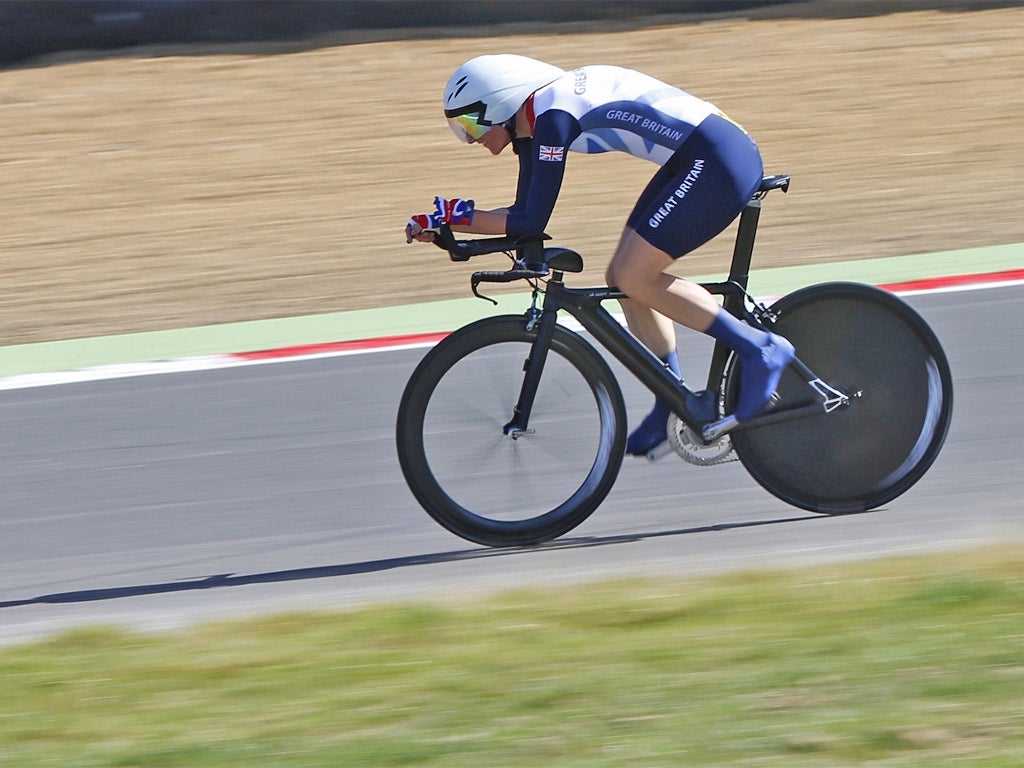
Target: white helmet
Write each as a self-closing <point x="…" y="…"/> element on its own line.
<point x="487" y="90"/>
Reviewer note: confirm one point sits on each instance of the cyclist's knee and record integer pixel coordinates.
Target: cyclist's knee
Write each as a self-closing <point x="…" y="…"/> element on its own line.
<point x="632" y="284"/>
<point x="630" y="277"/>
<point x="609" y="275"/>
<point x="637" y="262"/>
<point x="639" y="281"/>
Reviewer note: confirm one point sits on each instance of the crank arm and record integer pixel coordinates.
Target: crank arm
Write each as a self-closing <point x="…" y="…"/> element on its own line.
<point x="722" y="427"/>
<point x="831" y="399"/>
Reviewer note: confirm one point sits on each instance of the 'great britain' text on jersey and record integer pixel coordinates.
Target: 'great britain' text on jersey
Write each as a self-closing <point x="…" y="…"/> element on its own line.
<point x="644" y="123"/>
<point x="596" y="109"/>
<point x="610" y="109"/>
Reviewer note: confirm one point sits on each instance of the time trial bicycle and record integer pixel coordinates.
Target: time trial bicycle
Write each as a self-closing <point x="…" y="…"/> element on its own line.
<point x="512" y="430"/>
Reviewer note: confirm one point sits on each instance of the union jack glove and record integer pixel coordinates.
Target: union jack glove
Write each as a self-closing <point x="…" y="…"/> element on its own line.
<point x="456" y="211"/>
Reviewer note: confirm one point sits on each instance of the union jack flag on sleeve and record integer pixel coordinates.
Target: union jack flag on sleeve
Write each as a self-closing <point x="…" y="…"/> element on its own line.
<point x="551" y="154"/>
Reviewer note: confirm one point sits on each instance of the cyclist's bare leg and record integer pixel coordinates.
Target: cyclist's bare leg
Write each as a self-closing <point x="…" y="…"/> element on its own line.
<point x="638" y="269"/>
<point x="654" y="329"/>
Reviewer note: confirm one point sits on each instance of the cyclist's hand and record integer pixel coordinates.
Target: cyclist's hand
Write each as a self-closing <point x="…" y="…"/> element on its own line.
<point x="455" y="211"/>
<point x="422" y="226"/>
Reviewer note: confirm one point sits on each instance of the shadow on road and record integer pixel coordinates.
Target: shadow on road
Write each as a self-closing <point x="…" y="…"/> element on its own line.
<point x="375" y="566"/>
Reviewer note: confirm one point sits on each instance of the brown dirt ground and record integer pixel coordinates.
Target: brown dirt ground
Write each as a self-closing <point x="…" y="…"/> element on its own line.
<point x="163" y="189"/>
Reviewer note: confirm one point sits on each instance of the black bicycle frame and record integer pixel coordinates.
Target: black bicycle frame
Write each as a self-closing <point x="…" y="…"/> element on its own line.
<point x="584" y="304"/>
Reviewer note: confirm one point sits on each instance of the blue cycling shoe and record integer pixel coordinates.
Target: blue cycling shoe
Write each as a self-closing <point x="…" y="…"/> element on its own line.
<point x="760" y="374"/>
<point x="702" y="406"/>
<point x="653" y="430"/>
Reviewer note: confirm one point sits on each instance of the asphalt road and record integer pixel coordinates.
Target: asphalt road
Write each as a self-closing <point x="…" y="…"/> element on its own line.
<point x="162" y="500"/>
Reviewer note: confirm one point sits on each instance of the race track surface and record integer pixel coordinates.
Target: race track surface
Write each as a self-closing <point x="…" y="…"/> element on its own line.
<point x="163" y="500"/>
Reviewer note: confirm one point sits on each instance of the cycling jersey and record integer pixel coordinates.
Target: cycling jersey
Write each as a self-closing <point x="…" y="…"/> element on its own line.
<point x="602" y="108"/>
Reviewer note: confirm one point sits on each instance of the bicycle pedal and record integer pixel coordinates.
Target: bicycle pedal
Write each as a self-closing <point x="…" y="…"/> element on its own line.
<point x="659" y="451"/>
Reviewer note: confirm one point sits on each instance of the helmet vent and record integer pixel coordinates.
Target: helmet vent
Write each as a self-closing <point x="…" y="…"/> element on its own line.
<point x="493" y="86"/>
<point x="461" y="84"/>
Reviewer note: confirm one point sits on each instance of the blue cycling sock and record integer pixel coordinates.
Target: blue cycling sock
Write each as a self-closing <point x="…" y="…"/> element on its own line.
<point x="661" y="408"/>
<point x="671" y="361"/>
<point x="653" y="430"/>
<point x="736" y="335"/>
<point x="763" y="358"/>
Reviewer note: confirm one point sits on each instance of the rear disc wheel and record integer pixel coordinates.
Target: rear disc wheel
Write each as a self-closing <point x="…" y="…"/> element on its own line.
<point x="876" y="349"/>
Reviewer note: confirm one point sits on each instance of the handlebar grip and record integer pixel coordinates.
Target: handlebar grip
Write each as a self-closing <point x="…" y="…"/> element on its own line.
<point x="509" y="276"/>
<point x="500" y="277"/>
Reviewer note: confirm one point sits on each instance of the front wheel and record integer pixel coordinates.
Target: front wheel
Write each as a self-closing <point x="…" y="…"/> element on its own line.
<point x="495" y="488"/>
<point x="873" y="347"/>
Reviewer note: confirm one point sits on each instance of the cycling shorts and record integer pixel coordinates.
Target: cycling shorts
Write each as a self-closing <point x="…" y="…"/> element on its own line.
<point x="700" y="190"/>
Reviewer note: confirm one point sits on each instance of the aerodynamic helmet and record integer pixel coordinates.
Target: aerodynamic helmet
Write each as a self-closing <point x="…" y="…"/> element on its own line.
<point x="487" y="90"/>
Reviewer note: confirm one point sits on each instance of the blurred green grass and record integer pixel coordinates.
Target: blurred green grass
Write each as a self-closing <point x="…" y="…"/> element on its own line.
<point x="903" y="662"/>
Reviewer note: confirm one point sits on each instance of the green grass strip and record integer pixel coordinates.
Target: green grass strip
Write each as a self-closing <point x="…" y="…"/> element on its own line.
<point x="910" y="662"/>
<point x="442" y="316"/>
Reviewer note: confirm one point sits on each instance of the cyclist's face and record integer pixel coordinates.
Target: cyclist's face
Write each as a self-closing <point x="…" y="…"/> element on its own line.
<point x="495" y="139"/>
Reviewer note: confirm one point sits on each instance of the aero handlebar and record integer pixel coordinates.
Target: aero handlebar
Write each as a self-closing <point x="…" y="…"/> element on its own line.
<point x="464" y="250"/>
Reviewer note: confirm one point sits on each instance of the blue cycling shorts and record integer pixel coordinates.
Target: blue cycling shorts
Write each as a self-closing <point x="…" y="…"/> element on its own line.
<point x="700" y="190"/>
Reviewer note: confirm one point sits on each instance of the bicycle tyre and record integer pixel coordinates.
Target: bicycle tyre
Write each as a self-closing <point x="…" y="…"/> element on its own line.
<point x="868" y="343"/>
<point x="485" y="486"/>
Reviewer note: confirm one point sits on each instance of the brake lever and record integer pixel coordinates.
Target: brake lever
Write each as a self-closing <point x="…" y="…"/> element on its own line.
<point x="500" y="277"/>
<point x="475" y="283"/>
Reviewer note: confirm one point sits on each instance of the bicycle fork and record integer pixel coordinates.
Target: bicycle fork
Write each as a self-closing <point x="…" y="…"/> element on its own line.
<point x="545" y="321"/>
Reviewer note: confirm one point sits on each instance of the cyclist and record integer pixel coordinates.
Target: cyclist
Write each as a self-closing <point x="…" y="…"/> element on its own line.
<point x="710" y="168"/>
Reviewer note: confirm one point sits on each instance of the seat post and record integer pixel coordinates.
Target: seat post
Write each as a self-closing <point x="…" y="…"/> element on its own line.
<point x="739" y="273"/>
<point x="743" y="250"/>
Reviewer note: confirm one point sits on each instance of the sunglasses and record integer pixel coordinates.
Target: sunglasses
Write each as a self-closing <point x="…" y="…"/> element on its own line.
<point x="468" y="123"/>
<point x="468" y="126"/>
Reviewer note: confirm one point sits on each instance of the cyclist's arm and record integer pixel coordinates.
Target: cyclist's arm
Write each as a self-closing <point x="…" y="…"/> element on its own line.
<point x="485" y="223"/>
<point x="495" y="222"/>
<point x="542" y="171"/>
<point x="541" y="168"/>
